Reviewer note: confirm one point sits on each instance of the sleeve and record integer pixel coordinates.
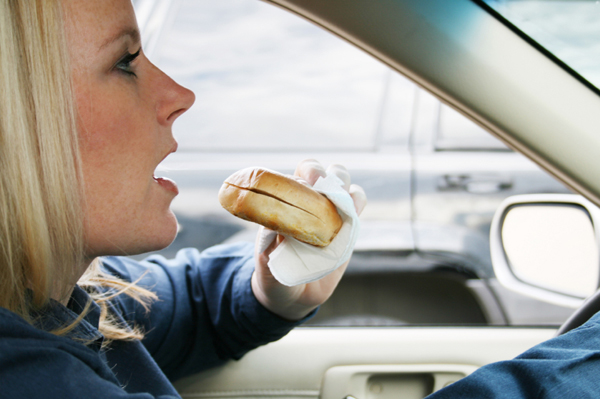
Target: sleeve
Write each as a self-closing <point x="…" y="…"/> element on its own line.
<point x="206" y="313"/>
<point x="563" y="367"/>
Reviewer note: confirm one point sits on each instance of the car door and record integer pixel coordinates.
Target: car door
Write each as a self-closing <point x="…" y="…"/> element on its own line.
<point x="430" y="42"/>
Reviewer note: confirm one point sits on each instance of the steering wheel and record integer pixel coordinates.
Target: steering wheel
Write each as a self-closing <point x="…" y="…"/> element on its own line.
<point x="589" y="308"/>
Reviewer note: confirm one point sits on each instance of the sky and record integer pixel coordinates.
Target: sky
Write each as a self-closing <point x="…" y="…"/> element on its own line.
<point x="267" y="79"/>
<point x="569" y="29"/>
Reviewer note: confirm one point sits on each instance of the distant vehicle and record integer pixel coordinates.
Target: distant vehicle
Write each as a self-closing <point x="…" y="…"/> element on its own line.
<point x="274" y="95"/>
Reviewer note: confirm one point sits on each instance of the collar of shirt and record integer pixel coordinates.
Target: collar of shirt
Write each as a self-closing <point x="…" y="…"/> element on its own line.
<point x="56" y="316"/>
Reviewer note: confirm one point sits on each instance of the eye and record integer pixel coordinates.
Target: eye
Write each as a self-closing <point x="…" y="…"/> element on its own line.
<point x="124" y="64"/>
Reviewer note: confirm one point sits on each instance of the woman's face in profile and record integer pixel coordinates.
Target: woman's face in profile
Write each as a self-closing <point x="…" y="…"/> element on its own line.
<point x="126" y="109"/>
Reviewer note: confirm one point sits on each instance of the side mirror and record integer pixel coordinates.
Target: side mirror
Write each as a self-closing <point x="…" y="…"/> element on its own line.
<point x="546" y="246"/>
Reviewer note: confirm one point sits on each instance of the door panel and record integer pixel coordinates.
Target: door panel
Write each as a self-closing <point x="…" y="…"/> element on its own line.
<point x="303" y="364"/>
<point x="390" y="381"/>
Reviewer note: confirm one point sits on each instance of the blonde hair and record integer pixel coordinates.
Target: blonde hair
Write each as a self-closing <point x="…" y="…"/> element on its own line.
<point x="96" y="282"/>
<point x="41" y="194"/>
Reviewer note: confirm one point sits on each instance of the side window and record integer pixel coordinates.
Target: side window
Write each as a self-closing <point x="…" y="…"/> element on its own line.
<point x="272" y="89"/>
<point x="455" y="132"/>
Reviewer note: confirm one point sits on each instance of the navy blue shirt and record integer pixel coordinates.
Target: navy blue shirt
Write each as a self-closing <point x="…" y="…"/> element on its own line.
<point x="206" y="314"/>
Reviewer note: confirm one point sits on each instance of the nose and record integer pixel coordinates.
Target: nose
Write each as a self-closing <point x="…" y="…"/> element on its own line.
<point x="173" y="99"/>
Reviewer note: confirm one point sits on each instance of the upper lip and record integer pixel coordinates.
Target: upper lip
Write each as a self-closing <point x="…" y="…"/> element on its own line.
<point x="172" y="150"/>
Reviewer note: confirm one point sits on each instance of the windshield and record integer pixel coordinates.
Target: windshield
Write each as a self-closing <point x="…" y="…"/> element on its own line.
<point x="568" y="29"/>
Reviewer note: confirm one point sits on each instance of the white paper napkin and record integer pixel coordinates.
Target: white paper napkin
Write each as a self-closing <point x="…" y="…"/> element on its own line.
<point x="294" y="262"/>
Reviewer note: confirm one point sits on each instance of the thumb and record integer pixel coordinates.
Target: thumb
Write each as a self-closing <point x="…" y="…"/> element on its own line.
<point x="264" y="239"/>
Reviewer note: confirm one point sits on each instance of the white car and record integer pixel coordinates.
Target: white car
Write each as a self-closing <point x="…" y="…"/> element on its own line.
<point x="409" y="120"/>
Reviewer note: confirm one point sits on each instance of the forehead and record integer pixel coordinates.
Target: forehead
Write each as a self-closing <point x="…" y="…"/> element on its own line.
<point x="95" y="23"/>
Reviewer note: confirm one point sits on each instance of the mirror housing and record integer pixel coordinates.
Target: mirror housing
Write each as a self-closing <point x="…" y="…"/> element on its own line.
<point x="546" y="246"/>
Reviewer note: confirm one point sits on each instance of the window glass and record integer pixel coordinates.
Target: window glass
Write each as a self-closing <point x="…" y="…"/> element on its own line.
<point x="569" y="29"/>
<point x="458" y="133"/>
<point x="268" y="80"/>
<point x="271" y="89"/>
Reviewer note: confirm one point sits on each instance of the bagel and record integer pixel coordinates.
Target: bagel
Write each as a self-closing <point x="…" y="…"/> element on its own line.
<point x="282" y="204"/>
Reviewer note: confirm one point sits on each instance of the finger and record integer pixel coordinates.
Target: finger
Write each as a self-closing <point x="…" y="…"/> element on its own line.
<point x="274" y="244"/>
<point x="263" y="257"/>
<point x="359" y="197"/>
<point x="310" y="170"/>
<point x="264" y="239"/>
<point x="301" y="180"/>
<point x="342" y="173"/>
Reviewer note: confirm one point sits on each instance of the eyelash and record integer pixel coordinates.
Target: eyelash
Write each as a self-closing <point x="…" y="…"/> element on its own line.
<point x="124" y="64"/>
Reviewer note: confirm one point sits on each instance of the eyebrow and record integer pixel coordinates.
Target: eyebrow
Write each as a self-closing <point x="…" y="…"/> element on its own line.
<point x="134" y="33"/>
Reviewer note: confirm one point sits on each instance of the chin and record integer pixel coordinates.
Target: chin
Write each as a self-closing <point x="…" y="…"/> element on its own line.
<point x="154" y="235"/>
<point x="165" y="234"/>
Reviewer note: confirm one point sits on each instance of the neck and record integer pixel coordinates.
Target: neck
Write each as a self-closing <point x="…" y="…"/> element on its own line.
<point x="63" y="295"/>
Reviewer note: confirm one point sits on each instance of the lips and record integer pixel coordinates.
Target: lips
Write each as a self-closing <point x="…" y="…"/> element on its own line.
<point x="167" y="184"/>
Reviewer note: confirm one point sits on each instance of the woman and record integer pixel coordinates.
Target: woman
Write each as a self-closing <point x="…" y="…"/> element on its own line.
<point x="86" y="118"/>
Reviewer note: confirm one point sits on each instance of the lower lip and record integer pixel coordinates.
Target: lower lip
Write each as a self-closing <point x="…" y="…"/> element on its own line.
<point x="167" y="184"/>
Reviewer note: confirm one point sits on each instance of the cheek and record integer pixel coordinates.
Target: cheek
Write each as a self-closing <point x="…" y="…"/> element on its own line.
<point x="114" y="143"/>
<point x="125" y="211"/>
<point x="116" y="158"/>
<point x="106" y="126"/>
<point x="104" y="158"/>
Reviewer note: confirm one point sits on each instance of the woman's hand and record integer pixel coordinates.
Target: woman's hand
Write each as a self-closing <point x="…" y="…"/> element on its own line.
<point x="294" y="303"/>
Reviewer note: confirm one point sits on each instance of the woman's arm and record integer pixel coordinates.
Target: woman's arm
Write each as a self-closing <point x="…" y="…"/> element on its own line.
<point x="206" y="313"/>
<point x="567" y="366"/>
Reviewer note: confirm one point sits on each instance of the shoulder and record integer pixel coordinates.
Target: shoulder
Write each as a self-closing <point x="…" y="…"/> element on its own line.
<point x="13" y="325"/>
<point x="19" y="340"/>
<point x="37" y="364"/>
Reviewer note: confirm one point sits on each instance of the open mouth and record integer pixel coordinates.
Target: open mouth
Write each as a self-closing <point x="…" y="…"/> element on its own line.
<point x="165" y="182"/>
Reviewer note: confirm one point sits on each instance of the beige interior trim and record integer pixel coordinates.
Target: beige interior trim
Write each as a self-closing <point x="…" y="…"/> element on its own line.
<point x="294" y="367"/>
